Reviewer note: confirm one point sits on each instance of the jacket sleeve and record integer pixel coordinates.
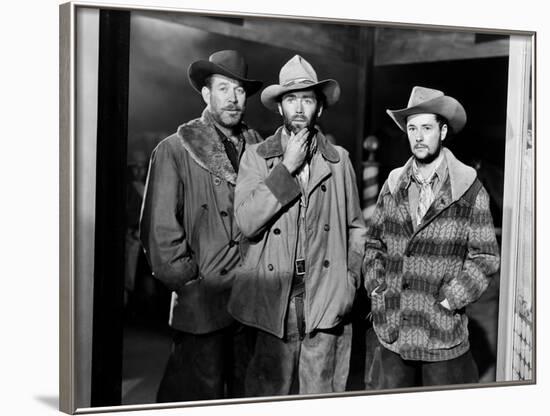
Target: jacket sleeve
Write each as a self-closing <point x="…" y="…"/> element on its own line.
<point x="161" y="230"/>
<point x="375" y="248"/>
<point x="259" y="195"/>
<point x="355" y="223"/>
<point x="482" y="258"/>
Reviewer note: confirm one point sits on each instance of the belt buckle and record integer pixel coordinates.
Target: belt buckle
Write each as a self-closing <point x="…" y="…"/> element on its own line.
<point x="300" y="267"/>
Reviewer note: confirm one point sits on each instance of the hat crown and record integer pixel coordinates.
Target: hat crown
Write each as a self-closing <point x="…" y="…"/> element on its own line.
<point x="420" y="95"/>
<point x="297" y="70"/>
<point x="230" y="60"/>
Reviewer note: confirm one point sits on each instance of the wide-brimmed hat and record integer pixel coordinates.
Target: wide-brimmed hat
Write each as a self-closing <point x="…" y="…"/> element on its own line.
<point x="298" y="74"/>
<point x="228" y="63"/>
<point x="427" y="100"/>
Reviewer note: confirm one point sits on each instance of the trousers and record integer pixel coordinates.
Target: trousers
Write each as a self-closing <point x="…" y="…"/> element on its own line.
<point x="317" y="362"/>
<point x="387" y="370"/>
<point x="207" y="366"/>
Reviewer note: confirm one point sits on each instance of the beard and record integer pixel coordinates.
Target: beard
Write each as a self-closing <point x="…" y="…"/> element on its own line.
<point x="296" y="123"/>
<point x="430" y="156"/>
<point x="228" y="116"/>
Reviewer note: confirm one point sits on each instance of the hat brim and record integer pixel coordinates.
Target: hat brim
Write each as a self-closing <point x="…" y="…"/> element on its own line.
<point x="445" y="106"/>
<point x="200" y="70"/>
<point x="329" y="88"/>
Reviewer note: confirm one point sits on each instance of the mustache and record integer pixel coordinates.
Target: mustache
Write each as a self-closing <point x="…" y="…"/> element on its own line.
<point x="232" y="108"/>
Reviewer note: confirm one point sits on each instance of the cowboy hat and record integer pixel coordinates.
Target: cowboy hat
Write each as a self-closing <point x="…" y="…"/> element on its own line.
<point x="427" y="100"/>
<point x="298" y="74"/>
<point x="228" y="63"/>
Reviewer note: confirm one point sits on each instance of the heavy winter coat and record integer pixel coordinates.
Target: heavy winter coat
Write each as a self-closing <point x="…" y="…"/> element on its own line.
<point x="267" y="204"/>
<point x="187" y="227"/>
<point x="451" y="255"/>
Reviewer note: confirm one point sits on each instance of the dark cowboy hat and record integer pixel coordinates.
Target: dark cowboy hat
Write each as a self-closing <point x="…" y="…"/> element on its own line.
<point x="298" y="74"/>
<point x="228" y="63"/>
<point x="427" y="100"/>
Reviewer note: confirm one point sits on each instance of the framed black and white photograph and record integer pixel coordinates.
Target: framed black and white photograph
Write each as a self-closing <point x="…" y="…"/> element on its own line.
<point x="259" y="207"/>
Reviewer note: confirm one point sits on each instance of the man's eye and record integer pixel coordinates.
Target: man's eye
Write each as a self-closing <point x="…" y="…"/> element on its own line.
<point x="240" y="91"/>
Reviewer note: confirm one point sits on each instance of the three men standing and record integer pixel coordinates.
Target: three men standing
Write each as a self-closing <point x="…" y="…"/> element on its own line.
<point x="431" y="250"/>
<point x="296" y="204"/>
<point x="190" y="237"/>
<point x="291" y="220"/>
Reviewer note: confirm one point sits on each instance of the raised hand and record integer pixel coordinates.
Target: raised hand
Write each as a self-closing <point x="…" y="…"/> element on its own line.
<point x="296" y="150"/>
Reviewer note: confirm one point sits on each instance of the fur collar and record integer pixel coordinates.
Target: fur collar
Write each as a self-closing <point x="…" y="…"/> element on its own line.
<point x="461" y="176"/>
<point x="202" y="142"/>
<point x="272" y="147"/>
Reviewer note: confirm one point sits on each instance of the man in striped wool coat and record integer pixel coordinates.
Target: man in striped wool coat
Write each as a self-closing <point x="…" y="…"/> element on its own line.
<point x="430" y="251"/>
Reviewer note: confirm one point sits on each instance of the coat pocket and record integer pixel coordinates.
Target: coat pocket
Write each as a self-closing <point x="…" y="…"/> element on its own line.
<point x="447" y="327"/>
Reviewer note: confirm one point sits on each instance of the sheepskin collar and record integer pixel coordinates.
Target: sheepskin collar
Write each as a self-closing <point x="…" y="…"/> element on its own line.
<point x="461" y="176"/>
<point x="272" y="147"/>
<point x="201" y="140"/>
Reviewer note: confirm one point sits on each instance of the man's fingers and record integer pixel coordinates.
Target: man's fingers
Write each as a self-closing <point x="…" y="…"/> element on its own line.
<point x="302" y="134"/>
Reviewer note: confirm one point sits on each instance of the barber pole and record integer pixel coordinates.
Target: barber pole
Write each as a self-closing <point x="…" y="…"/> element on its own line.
<point x="370" y="178"/>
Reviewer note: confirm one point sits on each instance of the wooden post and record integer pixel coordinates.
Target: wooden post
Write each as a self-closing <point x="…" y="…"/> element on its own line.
<point x="519" y="77"/>
<point x="114" y="38"/>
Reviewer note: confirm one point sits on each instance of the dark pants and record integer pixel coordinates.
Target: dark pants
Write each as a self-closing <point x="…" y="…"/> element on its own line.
<point x="387" y="370"/>
<point x="314" y="363"/>
<point x="208" y="366"/>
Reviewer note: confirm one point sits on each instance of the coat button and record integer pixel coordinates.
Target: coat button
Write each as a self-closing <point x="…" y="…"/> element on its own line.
<point x="232" y="243"/>
<point x="276" y="231"/>
<point x="326" y="263"/>
<point x="223" y="213"/>
<point x="327" y="227"/>
<point x="270" y="267"/>
<point x="204" y="206"/>
<point x="323" y="188"/>
<point x="223" y="272"/>
<point x="217" y="181"/>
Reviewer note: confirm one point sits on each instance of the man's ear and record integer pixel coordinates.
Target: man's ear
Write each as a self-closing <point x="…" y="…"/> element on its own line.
<point x="205" y="92"/>
<point x="444" y="130"/>
<point x="319" y="111"/>
<point x="280" y="108"/>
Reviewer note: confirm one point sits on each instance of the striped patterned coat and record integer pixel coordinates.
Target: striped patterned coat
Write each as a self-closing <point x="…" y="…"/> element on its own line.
<point x="452" y="254"/>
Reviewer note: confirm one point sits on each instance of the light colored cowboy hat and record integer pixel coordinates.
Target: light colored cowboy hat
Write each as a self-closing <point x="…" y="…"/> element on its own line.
<point x="298" y="74"/>
<point x="427" y="100"/>
<point x="229" y="63"/>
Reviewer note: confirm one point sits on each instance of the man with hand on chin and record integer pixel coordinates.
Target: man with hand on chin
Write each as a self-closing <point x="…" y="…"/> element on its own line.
<point x="297" y="205"/>
<point x="431" y="250"/>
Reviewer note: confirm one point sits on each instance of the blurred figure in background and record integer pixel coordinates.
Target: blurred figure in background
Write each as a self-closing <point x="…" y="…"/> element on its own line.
<point x="137" y="173"/>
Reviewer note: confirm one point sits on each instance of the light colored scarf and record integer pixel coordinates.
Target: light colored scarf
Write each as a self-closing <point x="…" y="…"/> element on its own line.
<point x="426" y="195"/>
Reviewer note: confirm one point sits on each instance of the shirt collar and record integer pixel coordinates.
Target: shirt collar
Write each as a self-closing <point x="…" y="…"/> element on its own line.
<point x="439" y="172"/>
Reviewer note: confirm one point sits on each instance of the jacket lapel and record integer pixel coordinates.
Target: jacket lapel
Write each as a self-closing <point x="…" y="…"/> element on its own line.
<point x="403" y="207"/>
<point x="398" y="182"/>
<point x="459" y="179"/>
<point x="319" y="171"/>
<point x="200" y="139"/>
